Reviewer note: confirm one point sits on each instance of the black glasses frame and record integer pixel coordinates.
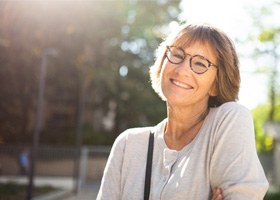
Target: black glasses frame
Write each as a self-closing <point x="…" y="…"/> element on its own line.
<point x="168" y="48"/>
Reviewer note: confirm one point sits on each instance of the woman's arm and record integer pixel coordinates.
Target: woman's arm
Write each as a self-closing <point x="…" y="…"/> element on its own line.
<point x="110" y="188"/>
<point x="235" y="166"/>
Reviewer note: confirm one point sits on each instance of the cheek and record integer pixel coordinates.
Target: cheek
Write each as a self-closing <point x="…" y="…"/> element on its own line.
<point x="213" y="90"/>
<point x="210" y="84"/>
<point x="164" y="70"/>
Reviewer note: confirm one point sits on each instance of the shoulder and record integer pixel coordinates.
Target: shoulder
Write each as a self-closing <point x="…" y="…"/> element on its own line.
<point x="132" y="135"/>
<point x="141" y="132"/>
<point x="230" y="121"/>
<point x="231" y="116"/>
<point x="231" y="109"/>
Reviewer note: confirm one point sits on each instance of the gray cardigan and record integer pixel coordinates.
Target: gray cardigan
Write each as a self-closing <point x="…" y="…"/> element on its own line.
<point x="223" y="154"/>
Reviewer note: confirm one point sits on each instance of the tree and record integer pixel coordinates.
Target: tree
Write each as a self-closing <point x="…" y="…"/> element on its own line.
<point x="261" y="113"/>
<point x="106" y="48"/>
<point x="267" y="53"/>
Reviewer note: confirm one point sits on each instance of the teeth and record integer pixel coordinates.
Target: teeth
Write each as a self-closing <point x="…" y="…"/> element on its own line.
<point x="181" y="84"/>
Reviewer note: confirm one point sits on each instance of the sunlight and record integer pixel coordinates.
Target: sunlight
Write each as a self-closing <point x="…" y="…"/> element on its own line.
<point x="235" y="19"/>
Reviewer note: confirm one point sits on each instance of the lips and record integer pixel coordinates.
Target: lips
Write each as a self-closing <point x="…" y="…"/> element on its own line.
<point x="180" y="84"/>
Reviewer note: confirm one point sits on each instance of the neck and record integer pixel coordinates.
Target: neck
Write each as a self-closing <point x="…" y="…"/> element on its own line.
<point x="183" y="125"/>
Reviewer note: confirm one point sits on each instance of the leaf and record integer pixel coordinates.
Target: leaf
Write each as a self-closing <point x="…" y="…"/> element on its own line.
<point x="268" y="34"/>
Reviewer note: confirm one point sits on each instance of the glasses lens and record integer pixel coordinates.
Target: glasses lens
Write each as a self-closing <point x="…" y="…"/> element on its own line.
<point x="175" y="55"/>
<point x="199" y="64"/>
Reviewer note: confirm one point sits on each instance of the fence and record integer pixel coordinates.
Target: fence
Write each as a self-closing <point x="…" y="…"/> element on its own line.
<point x="57" y="161"/>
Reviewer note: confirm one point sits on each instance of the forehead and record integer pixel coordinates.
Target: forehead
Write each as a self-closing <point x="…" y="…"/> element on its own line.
<point x="197" y="46"/>
<point x="186" y="35"/>
<point x="184" y="41"/>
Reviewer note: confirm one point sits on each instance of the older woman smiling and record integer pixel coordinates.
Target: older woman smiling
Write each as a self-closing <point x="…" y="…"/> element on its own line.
<point x="205" y="148"/>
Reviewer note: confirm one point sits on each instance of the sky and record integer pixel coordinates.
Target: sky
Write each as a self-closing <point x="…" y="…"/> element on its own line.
<point x="234" y="18"/>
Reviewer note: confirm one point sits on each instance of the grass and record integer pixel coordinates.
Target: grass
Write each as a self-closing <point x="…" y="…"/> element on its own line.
<point x="14" y="191"/>
<point x="272" y="196"/>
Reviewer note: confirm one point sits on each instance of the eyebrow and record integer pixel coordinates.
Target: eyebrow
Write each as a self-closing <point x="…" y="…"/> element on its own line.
<point x="206" y="57"/>
<point x="187" y="42"/>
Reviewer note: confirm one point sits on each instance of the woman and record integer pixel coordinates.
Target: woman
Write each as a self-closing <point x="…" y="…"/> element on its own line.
<point x="207" y="140"/>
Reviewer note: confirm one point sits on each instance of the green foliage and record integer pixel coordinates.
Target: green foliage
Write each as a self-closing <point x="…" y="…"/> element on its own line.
<point x="272" y="196"/>
<point x="14" y="191"/>
<point x="91" y="137"/>
<point x="264" y="142"/>
<point x="266" y="54"/>
<point x="260" y="114"/>
<point x="268" y="34"/>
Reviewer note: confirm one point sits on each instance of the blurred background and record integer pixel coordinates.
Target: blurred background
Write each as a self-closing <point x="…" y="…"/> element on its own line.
<point x="75" y="74"/>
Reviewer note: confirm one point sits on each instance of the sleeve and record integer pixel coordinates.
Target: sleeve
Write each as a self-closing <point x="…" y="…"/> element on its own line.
<point x="234" y="165"/>
<point x="110" y="188"/>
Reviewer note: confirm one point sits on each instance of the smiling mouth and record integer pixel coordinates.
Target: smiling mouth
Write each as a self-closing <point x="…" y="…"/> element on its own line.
<point x="180" y="84"/>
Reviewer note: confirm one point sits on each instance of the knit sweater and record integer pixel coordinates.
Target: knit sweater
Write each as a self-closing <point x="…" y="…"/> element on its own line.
<point x="223" y="154"/>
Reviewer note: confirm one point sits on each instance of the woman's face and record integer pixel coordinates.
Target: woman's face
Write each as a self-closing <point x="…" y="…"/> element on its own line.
<point x="183" y="87"/>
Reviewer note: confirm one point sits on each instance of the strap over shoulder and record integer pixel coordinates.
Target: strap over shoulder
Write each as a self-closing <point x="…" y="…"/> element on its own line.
<point x="149" y="167"/>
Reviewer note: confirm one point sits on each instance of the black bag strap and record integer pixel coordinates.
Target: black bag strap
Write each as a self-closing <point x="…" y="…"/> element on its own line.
<point x="149" y="167"/>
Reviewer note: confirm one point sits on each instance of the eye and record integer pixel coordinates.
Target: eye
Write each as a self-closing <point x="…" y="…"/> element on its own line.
<point x="200" y="64"/>
<point x="179" y="56"/>
<point x="175" y="55"/>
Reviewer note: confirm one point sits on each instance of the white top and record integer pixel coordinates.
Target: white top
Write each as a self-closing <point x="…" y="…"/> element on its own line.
<point x="223" y="154"/>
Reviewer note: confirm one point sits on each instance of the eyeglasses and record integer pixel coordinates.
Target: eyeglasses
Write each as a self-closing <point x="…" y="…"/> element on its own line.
<point x="198" y="63"/>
